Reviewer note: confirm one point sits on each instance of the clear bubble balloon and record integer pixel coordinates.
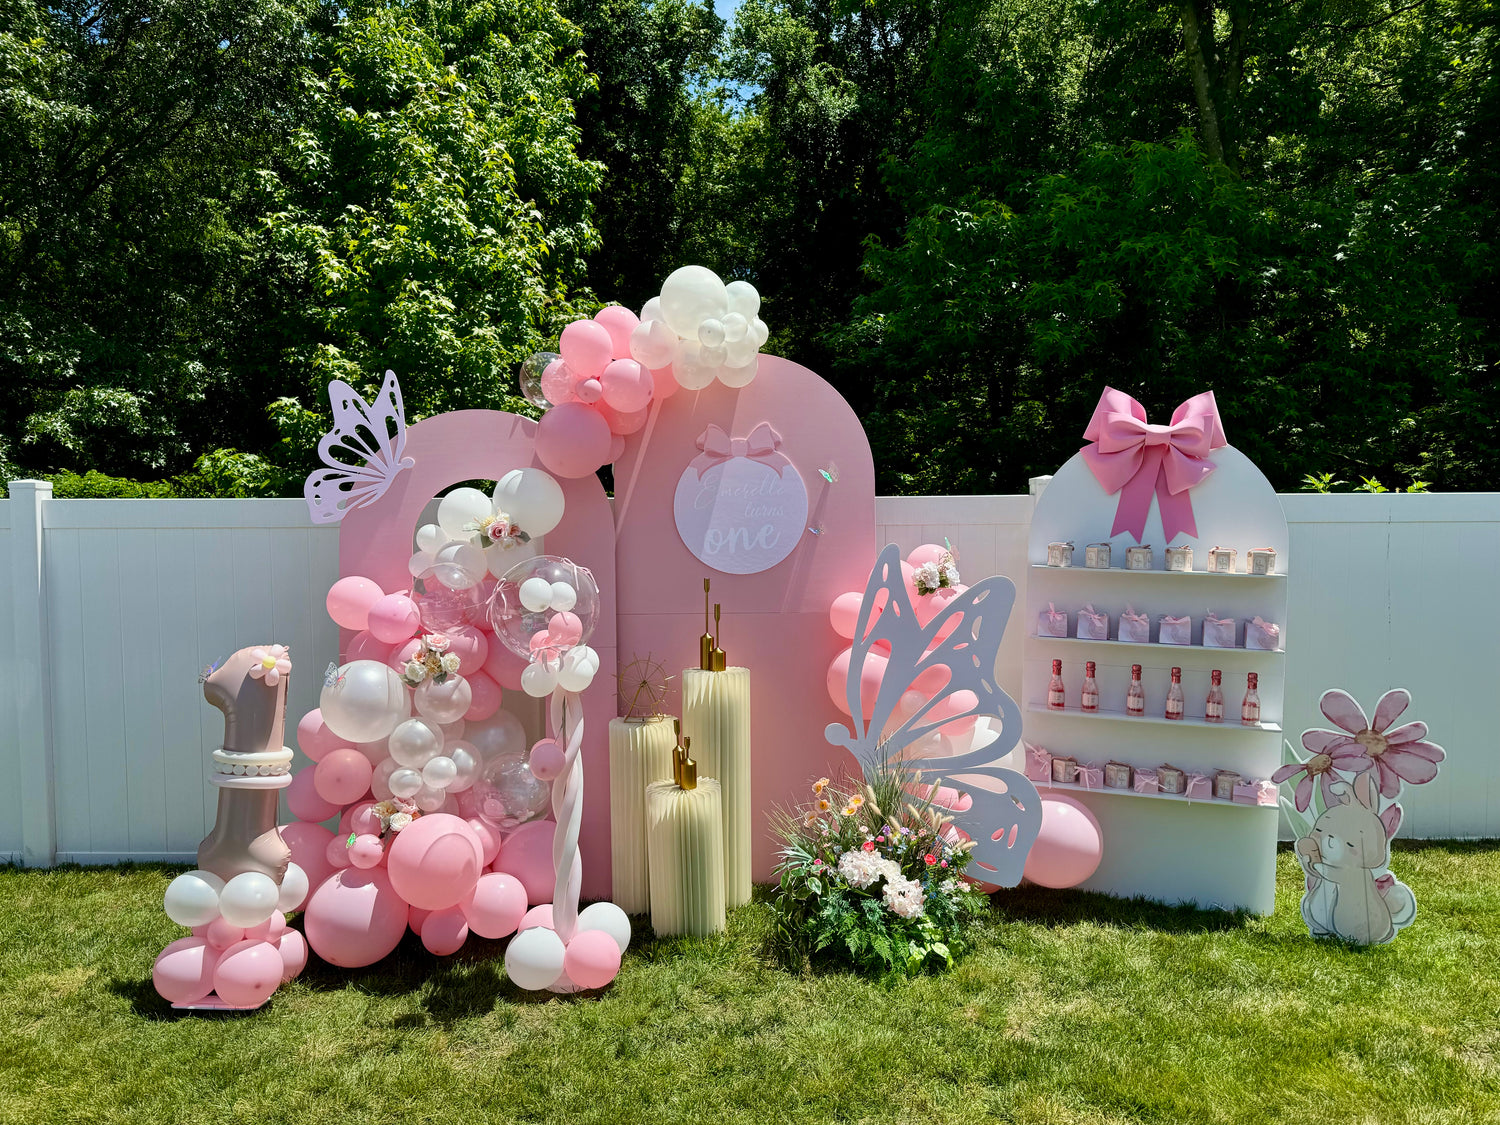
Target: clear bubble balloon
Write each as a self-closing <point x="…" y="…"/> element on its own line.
<point x="508" y="794"/>
<point x="447" y="597"/>
<point x="415" y="743"/>
<point x="467" y="557"/>
<point x="530" y="377"/>
<point x="429" y="799"/>
<point x="502" y="733"/>
<point x="515" y="624"/>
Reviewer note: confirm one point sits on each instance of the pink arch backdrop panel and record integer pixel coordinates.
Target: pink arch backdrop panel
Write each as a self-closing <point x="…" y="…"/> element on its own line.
<point x="775" y="622"/>
<point x="376" y="541"/>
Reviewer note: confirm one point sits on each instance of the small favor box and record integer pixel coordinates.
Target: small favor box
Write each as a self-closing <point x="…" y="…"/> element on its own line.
<point x="1221" y="560"/>
<point x="1060" y="554"/>
<point x="1180" y="558"/>
<point x="1199" y="787"/>
<point x="1145" y="781"/>
<point x="1267" y="793"/>
<point x="1096" y="556"/>
<point x="1064" y="770"/>
<point x="1171" y="779"/>
<point x="1038" y="763"/>
<point x="1224" y="783"/>
<point x="1218" y="632"/>
<point x="1247" y="792"/>
<point x="1135" y="627"/>
<point x="1260" y="560"/>
<point x="1092" y="626"/>
<point x="1140" y="558"/>
<point x="1051" y="622"/>
<point x="1262" y="635"/>
<point x="1090" y="777"/>
<point x="1174" y="630"/>
<point x="1116" y="775"/>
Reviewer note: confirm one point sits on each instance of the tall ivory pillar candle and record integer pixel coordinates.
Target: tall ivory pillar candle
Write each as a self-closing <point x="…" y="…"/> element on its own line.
<point x="640" y="752"/>
<point x="685" y="843"/>
<point x="716" y="716"/>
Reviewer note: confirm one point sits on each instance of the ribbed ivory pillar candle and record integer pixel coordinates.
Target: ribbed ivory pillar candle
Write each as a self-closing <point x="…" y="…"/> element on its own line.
<point x="685" y="842"/>
<point x="640" y="752"/>
<point x="716" y="716"/>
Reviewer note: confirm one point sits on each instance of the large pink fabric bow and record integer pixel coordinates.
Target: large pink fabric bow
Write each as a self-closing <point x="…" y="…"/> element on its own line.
<point x="1135" y="459"/>
<point x="763" y="445"/>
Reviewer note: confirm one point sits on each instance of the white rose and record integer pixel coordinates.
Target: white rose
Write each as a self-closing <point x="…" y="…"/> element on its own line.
<point x="416" y="671"/>
<point x="450" y="662"/>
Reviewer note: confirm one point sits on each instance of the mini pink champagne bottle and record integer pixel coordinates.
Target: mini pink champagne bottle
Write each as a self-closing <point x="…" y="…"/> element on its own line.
<point x="1250" y="708"/>
<point x="1175" y="700"/>
<point x="1088" y="700"/>
<point x="1135" y="697"/>
<point x="1213" y="709"/>
<point x="1056" y="693"/>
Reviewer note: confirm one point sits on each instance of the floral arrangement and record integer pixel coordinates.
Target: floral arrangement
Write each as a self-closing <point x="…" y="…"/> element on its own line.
<point x="271" y="663"/>
<point x="870" y="875"/>
<point x="497" y="528"/>
<point x="395" y="815"/>
<point x="432" y="661"/>
<point x="931" y="577"/>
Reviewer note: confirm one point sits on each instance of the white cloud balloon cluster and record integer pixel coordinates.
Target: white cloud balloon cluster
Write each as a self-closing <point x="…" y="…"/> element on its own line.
<point x="703" y="329"/>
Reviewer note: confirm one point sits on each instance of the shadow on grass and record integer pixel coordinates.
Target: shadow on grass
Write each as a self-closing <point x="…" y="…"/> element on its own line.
<point x="1045" y="907"/>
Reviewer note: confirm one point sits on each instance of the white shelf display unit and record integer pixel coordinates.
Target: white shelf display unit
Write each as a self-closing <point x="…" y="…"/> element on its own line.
<point x="1215" y="853"/>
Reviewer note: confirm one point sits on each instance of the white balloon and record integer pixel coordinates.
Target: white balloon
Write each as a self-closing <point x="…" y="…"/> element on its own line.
<point x="429" y="799"/>
<point x="691" y="295"/>
<point x="739" y="353"/>
<point x="743" y="299"/>
<point x="759" y="332"/>
<point x="501" y="733"/>
<point x="713" y="356"/>
<point x="380" y="780"/>
<point x="563" y="596"/>
<point x="653" y="344"/>
<point x="539" y="680"/>
<point x="469" y="560"/>
<point x="536" y="594"/>
<point x="461" y="506"/>
<point x="443" y="702"/>
<point x="735" y="327"/>
<point x="365" y="702"/>
<point x="740" y="376"/>
<point x="711" y="333"/>
<point x="580" y="664"/>
<point x="431" y="538"/>
<point x="406" y="783"/>
<point x="415" y="743"/>
<point x="248" y="899"/>
<point x="533" y="500"/>
<point x="465" y="764"/>
<point x="691" y="372"/>
<point x="651" y="310"/>
<point x="534" y="958"/>
<point x="608" y="917"/>
<point x="439" y="772"/>
<point x="419" y="562"/>
<point x="294" y="888"/>
<point x="454" y="730"/>
<point x="193" y="899"/>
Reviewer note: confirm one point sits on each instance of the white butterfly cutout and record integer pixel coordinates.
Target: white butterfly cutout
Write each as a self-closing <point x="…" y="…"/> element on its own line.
<point x="362" y="454"/>
<point x="1003" y="821"/>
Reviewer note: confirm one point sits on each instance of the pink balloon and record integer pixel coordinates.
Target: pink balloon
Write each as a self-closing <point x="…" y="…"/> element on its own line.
<point x="394" y="618"/>
<point x="557" y="383"/>
<point x="619" y="322"/>
<point x="269" y="930"/>
<point x="872" y="671"/>
<point x="489" y="838"/>
<point x="843" y="615"/>
<point x="938" y="602"/>
<point x="541" y="639"/>
<point x="313" y="736"/>
<point x="248" y="973"/>
<point x="485" y="698"/>
<point x="616" y="448"/>
<point x="342" y="776"/>
<point x="1070" y="845"/>
<point x="293" y="949"/>
<point x="547" y="760"/>
<point x="337" y="852"/>
<point x="356" y="917"/>
<point x="623" y="422"/>
<point x="663" y="383"/>
<point x="364" y="646"/>
<point x="592" y="959"/>
<point x="303" y="799"/>
<point x="926" y="553"/>
<point x="471" y="647"/>
<point x="184" y="971"/>
<point x="589" y="391"/>
<point x="374" y="752"/>
<point x="366" y="851"/>
<point x="527" y="854"/>
<point x="415" y="916"/>
<point x="435" y="861"/>
<point x="497" y="905"/>
<point x="538" y="917"/>
<point x="909" y="576"/>
<point x="572" y="440"/>
<point x="221" y="935"/>
<point x="445" y="931"/>
<point x="586" y="347"/>
<point x="627" y="386"/>
<point x="349" y="601"/>
<point x="504" y="667"/>
<point x="565" y="628"/>
<point x="359" y="818"/>
<point x="309" y="847"/>
<point x="955" y="704"/>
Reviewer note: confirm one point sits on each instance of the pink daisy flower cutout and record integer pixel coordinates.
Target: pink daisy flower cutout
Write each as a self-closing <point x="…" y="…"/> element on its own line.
<point x="270" y="664"/>
<point x="1397" y="754"/>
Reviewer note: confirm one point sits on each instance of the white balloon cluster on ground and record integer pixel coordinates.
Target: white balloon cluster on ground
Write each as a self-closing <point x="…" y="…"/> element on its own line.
<point x="703" y="329"/>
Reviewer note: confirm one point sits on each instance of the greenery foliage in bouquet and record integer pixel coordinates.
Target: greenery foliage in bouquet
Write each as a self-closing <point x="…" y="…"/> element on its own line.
<point x="870" y="878"/>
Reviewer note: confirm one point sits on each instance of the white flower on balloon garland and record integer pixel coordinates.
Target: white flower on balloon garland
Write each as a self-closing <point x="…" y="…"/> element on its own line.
<point x="432" y="662"/>
<point x="395" y="815"/>
<point x="934" y="576"/>
<point x="497" y="529"/>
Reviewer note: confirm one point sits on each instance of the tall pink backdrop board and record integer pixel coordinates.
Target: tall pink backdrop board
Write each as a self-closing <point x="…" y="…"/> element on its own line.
<point x="376" y="541"/>
<point x="775" y="621"/>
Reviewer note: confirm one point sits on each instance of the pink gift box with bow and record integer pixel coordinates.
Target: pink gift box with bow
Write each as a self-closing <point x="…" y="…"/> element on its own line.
<point x="1089" y="776"/>
<point x="1092" y="626"/>
<point x="1174" y="630"/>
<point x="1051" y="622"/>
<point x="1135" y="627"/>
<point x="1218" y="632"/>
<point x="1199" y="787"/>
<point x="1038" y="763"/>
<point x="1262" y="635"/>
<point x="1267" y="792"/>
<point x="1247" y="792"/>
<point x="1145" y="781"/>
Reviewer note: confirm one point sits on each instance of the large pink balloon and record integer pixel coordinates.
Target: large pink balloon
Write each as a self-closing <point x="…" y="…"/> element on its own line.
<point x="303" y="799"/>
<point x="627" y="386"/>
<point x="355" y="918"/>
<point x="592" y="959"/>
<point x="926" y="553"/>
<point x="435" y="861"/>
<point x="309" y="847"/>
<point x="364" y="646"/>
<point x="485" y="697"/>
<point x="504" y="667"/>
<point x="537" y="916"/>
<point x="489" y="838"/>
<point x="1070" y="845"/>
<point x="527" y="854"/>
<point x="586" y="347"/>
<point x="349" y="601"/>
<point x="471" y="647"/>
<point x="342" y="776"/>
<point x="293" y="949"/>
<point x="247" y="973"/>
<point x="619" y="322"/>
<point x="872" y="671"/>
<point x="622" y="422"/>
<point x="497" y="905"/>
<point x="572" y="440"/>
<point x="394" y="618"/>
<point x="184" y="970"/>
<point x="955" y="704"/>
<point x="445" y="931"/>
<point x="313" y="736"/>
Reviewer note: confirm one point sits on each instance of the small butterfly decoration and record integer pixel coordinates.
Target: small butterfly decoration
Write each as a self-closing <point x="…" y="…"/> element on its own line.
<point x="1003" y="821"/>
<point x="362" y="454"/>
<point x="331" y="677"/>
<point x="208" y="670"/>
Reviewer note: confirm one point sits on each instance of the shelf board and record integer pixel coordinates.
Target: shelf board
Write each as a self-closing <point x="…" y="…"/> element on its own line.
<point x="1161" y="720"/>
<point x="1065" y="787"/>
<point x="1119" y="570"/>
<point x="1155" y="646"/>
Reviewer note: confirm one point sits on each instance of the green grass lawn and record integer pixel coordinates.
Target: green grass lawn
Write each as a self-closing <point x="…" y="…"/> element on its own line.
<point x="1072" y="1008"/>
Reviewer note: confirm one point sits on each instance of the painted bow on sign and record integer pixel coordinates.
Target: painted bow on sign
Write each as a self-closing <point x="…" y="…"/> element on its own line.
<point x="1136" y="459"/>
<point x="763" y="445"/>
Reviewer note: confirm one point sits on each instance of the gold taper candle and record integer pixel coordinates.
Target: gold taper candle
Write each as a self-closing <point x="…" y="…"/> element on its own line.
<point x="685" y="843"/>
<point x="640" y="752"/>
<point x="716" y="716"/>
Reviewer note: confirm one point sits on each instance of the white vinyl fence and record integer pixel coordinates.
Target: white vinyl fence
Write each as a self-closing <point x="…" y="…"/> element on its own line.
<point x="112" y="607"/>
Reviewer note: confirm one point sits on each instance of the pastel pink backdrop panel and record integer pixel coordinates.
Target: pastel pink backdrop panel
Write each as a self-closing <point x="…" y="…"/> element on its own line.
<point x="376" y="541"/>
<point x="775" y="622"/>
